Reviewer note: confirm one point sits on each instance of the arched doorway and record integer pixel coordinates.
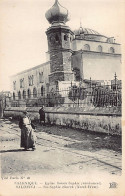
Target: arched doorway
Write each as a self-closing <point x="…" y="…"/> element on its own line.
<point x="29" y="93"/>
<point x="42" y="90"/>
<point x="24" y="94"/>
<point x="19" y="95"/>
<point x="13" y="96"/>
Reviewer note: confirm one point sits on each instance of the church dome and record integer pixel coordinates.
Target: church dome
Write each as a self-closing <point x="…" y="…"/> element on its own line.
<point x="57" y="13"/>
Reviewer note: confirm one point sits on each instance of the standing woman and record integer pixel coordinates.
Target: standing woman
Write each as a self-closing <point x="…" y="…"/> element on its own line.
<point x="42" y="115"/>
<point x="28" y="137"/>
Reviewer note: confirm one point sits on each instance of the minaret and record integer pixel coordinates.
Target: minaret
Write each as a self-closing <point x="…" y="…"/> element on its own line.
<point x="59" y="44"/>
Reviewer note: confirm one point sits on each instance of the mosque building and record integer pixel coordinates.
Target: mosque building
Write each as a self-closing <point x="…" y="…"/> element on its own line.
<point x="72" y="56"/>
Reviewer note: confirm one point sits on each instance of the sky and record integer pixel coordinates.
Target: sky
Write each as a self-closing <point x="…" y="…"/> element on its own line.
<point x="23" y="42"/>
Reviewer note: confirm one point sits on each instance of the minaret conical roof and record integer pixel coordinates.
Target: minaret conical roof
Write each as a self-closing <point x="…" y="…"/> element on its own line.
<point x="57" y="13"/>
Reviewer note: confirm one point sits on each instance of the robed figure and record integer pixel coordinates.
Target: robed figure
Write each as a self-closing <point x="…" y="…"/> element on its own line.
<point x="28" y="138"/>
<point x="42" y="115"/>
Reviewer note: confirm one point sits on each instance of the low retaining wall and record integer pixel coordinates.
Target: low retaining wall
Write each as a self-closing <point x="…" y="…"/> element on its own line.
<point x="97" y="121"/>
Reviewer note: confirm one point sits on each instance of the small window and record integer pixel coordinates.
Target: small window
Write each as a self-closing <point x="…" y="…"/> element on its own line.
<point x="87" y="47"/>
<point x="34" y="93"/>
<point x="57" y="38"/>
<point x="29" y="93"/>
<point x="112" y="50"/>
<point x="41" y="77"/>
<point x="99" y="48"/>
<point x="65" y="37"/>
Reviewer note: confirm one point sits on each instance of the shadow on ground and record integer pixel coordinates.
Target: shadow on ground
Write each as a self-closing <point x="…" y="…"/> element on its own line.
<point x="12" y="150"/>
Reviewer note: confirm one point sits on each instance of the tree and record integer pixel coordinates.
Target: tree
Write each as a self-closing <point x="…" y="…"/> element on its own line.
<point x="103" y="96"/>
<point x="77" y="93"/>
<point x="73" y="93"/>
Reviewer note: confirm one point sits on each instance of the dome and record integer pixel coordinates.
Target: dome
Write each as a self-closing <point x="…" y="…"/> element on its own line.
<point x="89" y="34"/>
<point x="57" y="13"/>
<point x="82" y="30"/>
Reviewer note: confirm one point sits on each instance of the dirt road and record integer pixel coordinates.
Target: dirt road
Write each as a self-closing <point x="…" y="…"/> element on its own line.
<point x="59" y="150"/>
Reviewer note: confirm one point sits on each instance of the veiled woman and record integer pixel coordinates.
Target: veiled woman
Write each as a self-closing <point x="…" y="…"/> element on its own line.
<point x="28" y="137"/>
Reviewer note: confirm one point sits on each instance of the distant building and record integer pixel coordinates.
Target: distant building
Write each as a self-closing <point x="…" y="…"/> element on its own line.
<point x="5" y="97"/>
<point x="72" y="56"/>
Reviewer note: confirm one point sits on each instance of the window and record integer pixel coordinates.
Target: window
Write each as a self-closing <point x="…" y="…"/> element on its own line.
<point x="30" y="78"/>
<point x="87" y="47"/>
<point x="22" y="83"/>
<point x="65" y="37"/>
<point x="29" y="93"/>
<point x="14" y="85"/>
<point x="19" y="95"/>
<point x="41" y="77"/>
<point x="112" y="50"/>
<point x="99" y="48"/>
<point x="24" y="94"/>
<point x="13" y="96"/>
<point x="57" y="38"/>
<point x="34" y="93"/>
<point x="42" y="91"/>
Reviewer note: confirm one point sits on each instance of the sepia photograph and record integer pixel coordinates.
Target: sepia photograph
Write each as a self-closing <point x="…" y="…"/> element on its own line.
<point x="61" y="97"/>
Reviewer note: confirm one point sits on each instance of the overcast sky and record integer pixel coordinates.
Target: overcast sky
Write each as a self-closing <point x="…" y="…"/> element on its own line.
<point x="23" y="24"/>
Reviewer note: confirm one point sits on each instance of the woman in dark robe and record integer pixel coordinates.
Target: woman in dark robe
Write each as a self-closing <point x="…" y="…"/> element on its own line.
<point x="28" y="137"/>
<point x="42" y="115"/>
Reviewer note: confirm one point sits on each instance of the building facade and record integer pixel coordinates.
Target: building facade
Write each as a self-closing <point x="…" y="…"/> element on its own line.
<point x="72" y="56"/>
<point x="31" y="83"/>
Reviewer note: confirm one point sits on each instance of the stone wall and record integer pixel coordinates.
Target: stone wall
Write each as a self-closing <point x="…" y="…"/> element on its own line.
<point x="103" y="122"/>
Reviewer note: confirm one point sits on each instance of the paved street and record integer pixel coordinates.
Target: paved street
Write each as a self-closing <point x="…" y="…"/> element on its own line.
<point x="55" y="153"/>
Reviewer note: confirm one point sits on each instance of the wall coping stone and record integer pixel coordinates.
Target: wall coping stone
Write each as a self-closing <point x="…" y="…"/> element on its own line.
<point x="68" y="110"/>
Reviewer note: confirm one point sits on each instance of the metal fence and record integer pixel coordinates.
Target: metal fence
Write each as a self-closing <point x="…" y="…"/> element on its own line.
<point x="75" y="96"/>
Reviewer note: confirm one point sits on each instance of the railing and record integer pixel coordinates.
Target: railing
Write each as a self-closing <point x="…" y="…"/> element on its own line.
<point x="76" y="96"/>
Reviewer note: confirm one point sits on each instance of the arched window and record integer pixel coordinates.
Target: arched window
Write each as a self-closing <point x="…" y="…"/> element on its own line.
<point x="29" y="93"/>
<point x="34" y="93"/>
<point x="24" y="94"/>
<point x="112" y="50"/>
<point x="13" y="96"/>
<point x="57" y="38"/>
<point x="42" y="90"/>
<point x="19" y="95"/>
<point x="87" y="47"/>
<point x="30" y="78"/>
<point x="99" y="48"/>
<point x="65" y="37"/>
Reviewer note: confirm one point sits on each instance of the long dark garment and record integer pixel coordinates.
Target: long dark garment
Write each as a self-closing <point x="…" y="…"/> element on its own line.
<point x="28" y="137"/>
<point x="42" y="115"/>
